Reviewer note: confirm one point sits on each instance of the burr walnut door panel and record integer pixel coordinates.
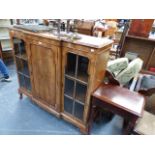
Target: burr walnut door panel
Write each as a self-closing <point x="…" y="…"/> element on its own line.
<point x="44" y="73"/>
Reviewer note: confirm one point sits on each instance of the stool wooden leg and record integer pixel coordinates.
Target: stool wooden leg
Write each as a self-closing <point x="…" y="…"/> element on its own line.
<point x="91" y="118"/>
<point x="128" y="126"/>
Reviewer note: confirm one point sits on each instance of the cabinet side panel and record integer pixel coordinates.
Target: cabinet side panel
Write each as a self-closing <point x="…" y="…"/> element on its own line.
<point x="101" y="65"/>
<point x="96" y="77"/>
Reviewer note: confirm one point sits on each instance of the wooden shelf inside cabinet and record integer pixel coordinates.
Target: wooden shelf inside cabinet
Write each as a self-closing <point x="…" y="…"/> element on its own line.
<point x="68" y="96"/>
<point x="22" y="73"/>
<point x="25" y="72"/>
<point x="22" y="56"/>
<point x="82" y="77"/>
<point x="77" y="98"/>
<point x="70" y="74"/>
<point x="76" y="79"/>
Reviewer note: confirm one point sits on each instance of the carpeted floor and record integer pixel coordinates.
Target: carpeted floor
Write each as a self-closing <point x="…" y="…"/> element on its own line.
<point x="22" y="117"/>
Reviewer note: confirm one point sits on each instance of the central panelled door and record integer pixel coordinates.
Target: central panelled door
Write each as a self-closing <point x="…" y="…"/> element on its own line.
<point x="44" y="73"/>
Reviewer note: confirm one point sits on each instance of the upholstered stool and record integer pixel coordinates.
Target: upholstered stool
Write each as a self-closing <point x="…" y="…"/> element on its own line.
<point x="120" y="101"/>
<point x="145" y="125"/>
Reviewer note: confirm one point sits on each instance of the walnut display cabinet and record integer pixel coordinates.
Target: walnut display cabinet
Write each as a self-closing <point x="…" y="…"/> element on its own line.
<point x="58" y="74"/>
<point x="83" y="70"/>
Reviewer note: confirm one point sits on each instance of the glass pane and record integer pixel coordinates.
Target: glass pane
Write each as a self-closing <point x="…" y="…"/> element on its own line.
<point x="71" y="64"/>
<point x="19" y="46"/>
<point x="25" y="68"/>
<point x="21" y="80"/>
<point x="81" y="91"/>
<point x="78" y="111"/>
<point x="68" y="105"/>
<point x="27" y="83"/>
<point x="22" y="66"/>
<point x="19" y="64"/>
<point x="83" y="69"/>
<point x="69" y="87"/>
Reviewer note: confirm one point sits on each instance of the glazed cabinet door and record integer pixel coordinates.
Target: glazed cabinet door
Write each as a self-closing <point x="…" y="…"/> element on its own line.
<point x="76" y="85"/>
<point x="43" y="63"/>
<point x="22" y="64"/>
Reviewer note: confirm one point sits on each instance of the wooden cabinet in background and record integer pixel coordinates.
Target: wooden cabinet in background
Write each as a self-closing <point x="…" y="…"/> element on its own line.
<point x="85" y="27"/>
<point x="140" y="27"/>
<point x="144" y="47"/>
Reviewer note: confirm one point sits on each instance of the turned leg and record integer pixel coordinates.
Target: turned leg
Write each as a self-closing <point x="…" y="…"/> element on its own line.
<point x="128" y="126"/>
<point x="20" y="96"/>
<point x="84" y="131"/>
